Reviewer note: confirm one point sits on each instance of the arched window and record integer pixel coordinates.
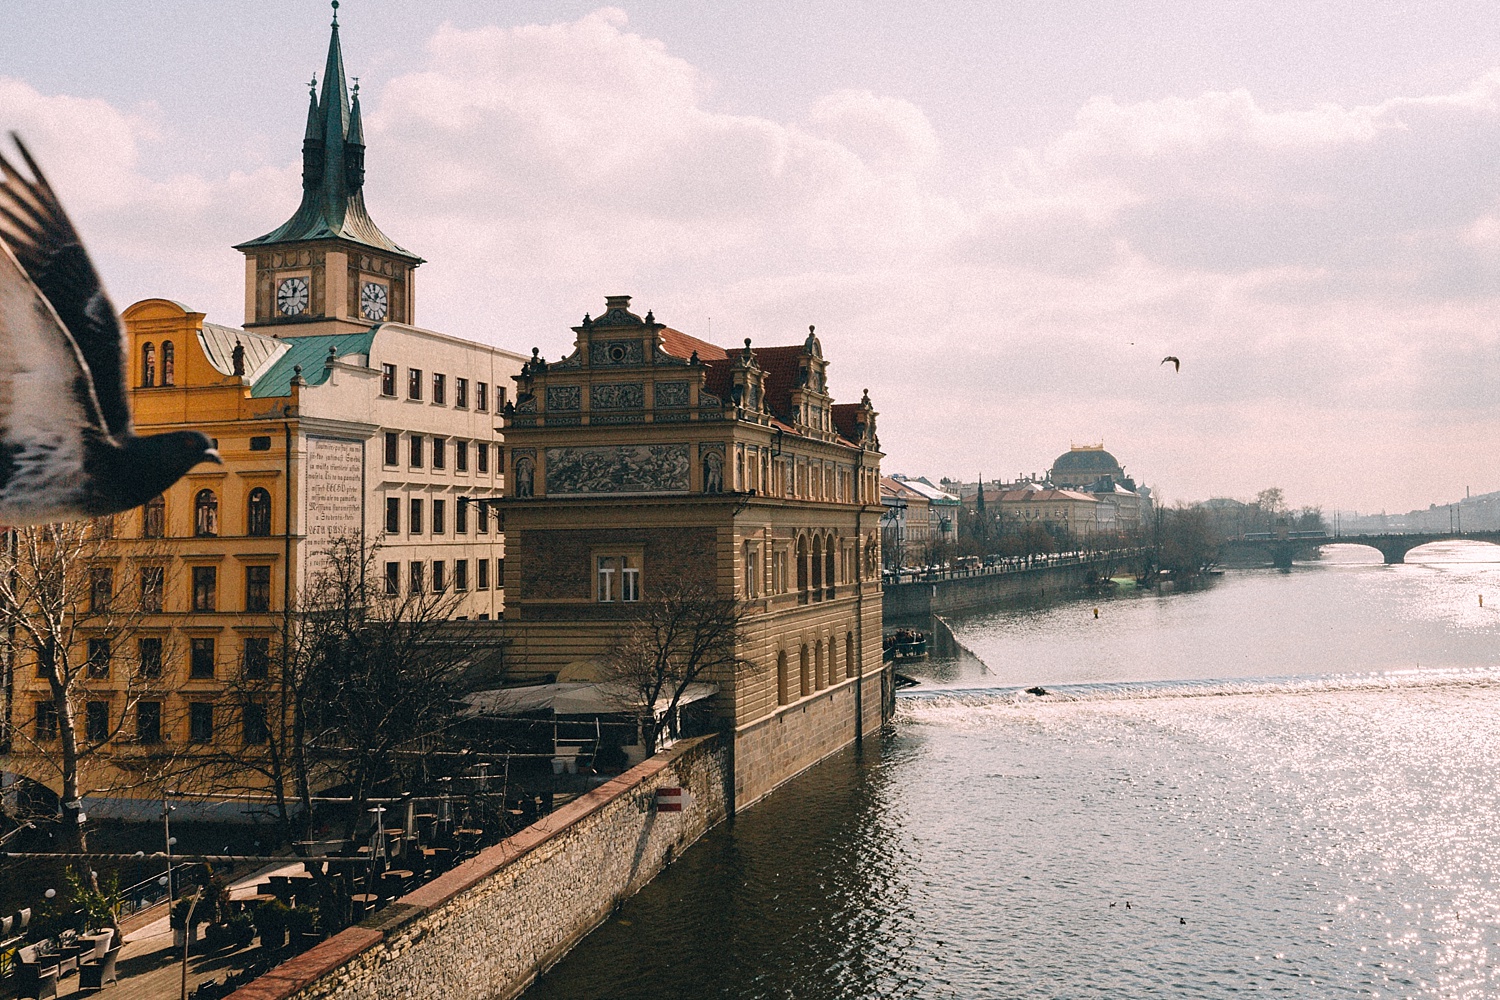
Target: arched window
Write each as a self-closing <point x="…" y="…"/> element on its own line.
<point x="148" y="365"/>
<point x="259" y="519"/>
<point x="206" y="513"/>
<point x="154" y="518"/>
<point x="168" y="363"/>
<point x="828" y="567"/>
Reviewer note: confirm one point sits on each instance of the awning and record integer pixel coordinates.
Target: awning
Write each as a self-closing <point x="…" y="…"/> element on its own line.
<point x="610" y="698"/>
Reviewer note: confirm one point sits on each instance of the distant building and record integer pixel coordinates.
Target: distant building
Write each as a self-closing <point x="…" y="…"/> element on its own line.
<point x="1074" y="512"/>
<point x="1084" y="465"/>
<point x="942" y="508"/>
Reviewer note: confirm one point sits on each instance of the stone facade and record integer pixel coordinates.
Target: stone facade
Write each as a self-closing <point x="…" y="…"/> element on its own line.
<point x="490" y="926"/>
<point x="649" y="452"/>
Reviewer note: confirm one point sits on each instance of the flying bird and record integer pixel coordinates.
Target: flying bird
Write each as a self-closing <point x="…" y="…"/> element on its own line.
<point x="67" y="447"/>
<point x="1176" y="364"/>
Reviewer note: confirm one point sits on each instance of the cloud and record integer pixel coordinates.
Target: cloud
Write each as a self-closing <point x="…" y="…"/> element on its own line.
<point x="1326" y="272"/>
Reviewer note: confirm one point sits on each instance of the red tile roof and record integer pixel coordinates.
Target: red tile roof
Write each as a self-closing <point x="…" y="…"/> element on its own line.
<point x="682" y="345"/>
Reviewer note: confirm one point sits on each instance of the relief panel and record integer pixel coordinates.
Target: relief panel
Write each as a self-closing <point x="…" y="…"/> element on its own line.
<point x="630" y="468"/>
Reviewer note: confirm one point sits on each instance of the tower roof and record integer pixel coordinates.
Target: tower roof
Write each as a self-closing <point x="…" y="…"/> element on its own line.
<point x="333" y="169"/>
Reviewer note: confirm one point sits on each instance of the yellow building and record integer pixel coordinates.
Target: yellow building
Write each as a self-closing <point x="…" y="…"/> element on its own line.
<point x="648" y="456"/>
<point x="334" y="415"/>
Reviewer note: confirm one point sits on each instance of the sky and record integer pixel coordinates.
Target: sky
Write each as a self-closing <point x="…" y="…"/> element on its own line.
<point x="999" y="216"/>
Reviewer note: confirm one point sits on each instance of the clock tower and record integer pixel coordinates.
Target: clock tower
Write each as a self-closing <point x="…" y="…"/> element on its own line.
<point x="329" y="268"/>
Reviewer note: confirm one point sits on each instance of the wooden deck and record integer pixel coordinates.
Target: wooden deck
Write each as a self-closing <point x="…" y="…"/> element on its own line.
<point x="151" y="969"/>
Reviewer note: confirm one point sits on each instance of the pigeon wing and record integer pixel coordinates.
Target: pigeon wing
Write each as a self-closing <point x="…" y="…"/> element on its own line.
<point x="47" y="405"/>
<point x="45" y="244"/>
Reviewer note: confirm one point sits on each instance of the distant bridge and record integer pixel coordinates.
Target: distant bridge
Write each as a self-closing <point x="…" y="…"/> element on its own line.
<point x="1392" y="546"/>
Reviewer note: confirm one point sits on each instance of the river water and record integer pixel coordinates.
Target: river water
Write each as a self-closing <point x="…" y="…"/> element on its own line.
<point x="1279" y="783"/>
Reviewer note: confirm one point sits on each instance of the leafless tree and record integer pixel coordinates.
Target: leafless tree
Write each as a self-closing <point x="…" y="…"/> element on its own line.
<point x="360" y="686"/>
<point x="66" y="612"/>
<point x="681" y="635"/>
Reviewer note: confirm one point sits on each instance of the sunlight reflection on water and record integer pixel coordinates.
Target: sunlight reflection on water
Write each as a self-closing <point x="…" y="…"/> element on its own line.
<point x="1300" y="766"/>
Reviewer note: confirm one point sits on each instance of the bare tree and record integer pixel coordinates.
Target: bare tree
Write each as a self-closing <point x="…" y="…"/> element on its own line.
<point x="362" y="684"/>
<point x="682" y="635"/>
<point x="63" y="610"/>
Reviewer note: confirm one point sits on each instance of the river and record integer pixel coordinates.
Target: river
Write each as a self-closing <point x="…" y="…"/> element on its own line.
<point x="1280" y="783"/>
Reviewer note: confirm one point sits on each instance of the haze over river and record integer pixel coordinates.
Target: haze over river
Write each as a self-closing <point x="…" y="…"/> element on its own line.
<point x="1301" y="766"/>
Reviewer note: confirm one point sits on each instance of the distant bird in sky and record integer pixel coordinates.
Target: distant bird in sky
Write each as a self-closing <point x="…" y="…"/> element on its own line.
<point x="67" y="448"/>
<point x="1176" y="364"/>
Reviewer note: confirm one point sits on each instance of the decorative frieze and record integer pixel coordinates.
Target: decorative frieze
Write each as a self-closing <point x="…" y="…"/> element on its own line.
<point x="626" y="468"/>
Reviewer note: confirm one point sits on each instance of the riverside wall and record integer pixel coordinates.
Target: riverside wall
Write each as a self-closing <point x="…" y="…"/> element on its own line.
<point x="490" y="926"/>
<point x="917" y="601"/>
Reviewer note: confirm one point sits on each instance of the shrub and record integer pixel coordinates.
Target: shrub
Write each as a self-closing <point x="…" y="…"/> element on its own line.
<point x="271" y="924"/>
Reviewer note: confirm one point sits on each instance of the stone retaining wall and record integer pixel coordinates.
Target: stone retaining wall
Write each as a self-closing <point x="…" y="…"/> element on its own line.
<point x="914" y="602"/>
<point x="487" y="928"/>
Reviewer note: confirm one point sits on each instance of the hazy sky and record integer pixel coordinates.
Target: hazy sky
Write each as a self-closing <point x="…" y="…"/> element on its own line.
<point x="1000" y="216"/>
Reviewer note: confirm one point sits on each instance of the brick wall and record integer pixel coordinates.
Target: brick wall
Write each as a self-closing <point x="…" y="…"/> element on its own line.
<point x="490" y="926"/>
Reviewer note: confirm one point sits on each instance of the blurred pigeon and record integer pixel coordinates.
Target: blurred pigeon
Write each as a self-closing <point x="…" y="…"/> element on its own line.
<point x="67" y="449"/>
<point x="1176" y="365"/>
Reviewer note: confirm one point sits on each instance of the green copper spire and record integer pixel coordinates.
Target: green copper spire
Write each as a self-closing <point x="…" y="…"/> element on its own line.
<point x="333" y="168"/>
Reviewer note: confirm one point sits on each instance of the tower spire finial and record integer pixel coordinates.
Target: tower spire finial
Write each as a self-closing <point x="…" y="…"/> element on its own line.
<point x="335" y="13"/>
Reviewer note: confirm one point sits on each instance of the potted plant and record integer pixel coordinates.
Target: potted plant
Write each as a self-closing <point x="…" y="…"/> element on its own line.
<point x="271" y="924"/>
<point x="302" y="922"/>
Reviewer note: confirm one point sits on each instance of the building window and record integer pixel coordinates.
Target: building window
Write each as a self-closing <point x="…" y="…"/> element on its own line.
<point x="414" y="516"/>
<point x="499" y="572"/>
<point x="439" y="453"/>
<point x="201" y="658"/>
<point x="101" y="588"/>
<point x="148" y="365"/>
<point x="413" y="383"/>
<point x="149" y="649"/>
<point x="168" y="363"/>
<point x="201" y="722"/>
<point x="153" y="585"/>
<point x="439" y="576"/>
<point x="256" y="732"/>
<point x="461" y="456"/>
<point x="461" y="392"/>
<point x="392" y="515"/>
<point x="46" y="658"/>
<point x="461" y="516"/>
<point x="752" y="570"/>
<point x="387" y="380"/>
<point x="257" y="661"/>
<point x="261" y="442"/>
<point x="98" y="721"/>
<point x="481" y="518"/>
<point x="154" y="518"/>
<point x="46" y="720"/>
<point x="148" y="722"/>
<point x="416" y="577"/>
<point x="619" y="579"/>
<point x="482" y="456"/>
<point x="206" y="514"/>
<point x="257" y="588"/>
<point x="482" y="580"/>
<point x="392" y="448"/>
<point x="99" y="657"/>
<point x="499" y="397"/>
<point x="439" y="516"/>
<point x="259" y="514"/>
<point x="481" y="396"/>
<point x="205" y="588"/>
<point x="392" y="579"/>
<point x="439" y="389"/>
<point x="415" y="460"/>
<point x="461" y="574"/>
<point x="778" y="571"/>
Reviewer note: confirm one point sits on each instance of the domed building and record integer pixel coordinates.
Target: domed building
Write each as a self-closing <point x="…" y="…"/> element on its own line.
<point x="1085" y="465"/>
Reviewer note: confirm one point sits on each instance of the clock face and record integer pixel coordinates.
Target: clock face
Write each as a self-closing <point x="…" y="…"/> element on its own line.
<point x="291" y="296"/>
<point x="373" y="301"/>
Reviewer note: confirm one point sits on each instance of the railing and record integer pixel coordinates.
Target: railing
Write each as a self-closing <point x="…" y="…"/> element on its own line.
<point x="1007" y="564"/>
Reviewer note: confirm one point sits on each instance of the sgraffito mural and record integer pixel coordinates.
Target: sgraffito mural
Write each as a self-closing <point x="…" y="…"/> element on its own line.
<point x="626" y="468"/>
